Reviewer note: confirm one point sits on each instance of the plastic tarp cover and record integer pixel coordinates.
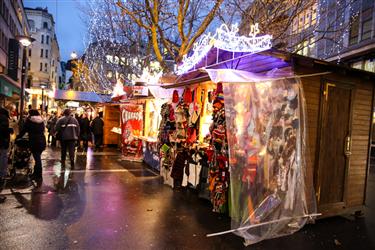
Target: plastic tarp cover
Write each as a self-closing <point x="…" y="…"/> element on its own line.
<point x="270" y="183"/>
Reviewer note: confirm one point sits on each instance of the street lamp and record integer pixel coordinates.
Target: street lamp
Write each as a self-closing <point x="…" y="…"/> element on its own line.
<point x="25" y="41"/>
<point x="42" y="86"/>
<point x="73" y="55"/>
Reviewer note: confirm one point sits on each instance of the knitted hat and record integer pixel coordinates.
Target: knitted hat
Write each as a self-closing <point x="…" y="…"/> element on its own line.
<point x="175" y="97"/>
<point x="219" y="88"/>
<point x="188" y="96"/>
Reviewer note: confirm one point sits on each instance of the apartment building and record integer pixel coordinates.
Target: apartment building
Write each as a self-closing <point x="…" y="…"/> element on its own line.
<point x="13" y="23"/>
<point x="44" y="59"/>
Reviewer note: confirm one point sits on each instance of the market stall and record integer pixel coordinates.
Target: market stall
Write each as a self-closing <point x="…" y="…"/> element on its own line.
<point x="292" y="125"/>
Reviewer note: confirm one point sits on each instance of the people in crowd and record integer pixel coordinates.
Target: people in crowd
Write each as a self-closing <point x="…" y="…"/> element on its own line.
<point x="34" y="127"/>
<point x="68" y="130"/>
<point x="51" y="123"/>
<point x="5" y="132"/>
<point x="97" y="126"/>
<point x="84" y="130"/>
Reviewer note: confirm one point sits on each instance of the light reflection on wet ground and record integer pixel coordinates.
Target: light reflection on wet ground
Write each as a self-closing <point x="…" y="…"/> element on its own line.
<point x="106" y="203"/>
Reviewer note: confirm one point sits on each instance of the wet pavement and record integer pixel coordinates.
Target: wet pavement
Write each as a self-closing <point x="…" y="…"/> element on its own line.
<point x="109" y="203"/>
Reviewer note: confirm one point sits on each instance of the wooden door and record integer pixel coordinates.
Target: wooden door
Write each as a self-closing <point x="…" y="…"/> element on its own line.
<point x="111" y="120"/>
<point x="334" y="152"/>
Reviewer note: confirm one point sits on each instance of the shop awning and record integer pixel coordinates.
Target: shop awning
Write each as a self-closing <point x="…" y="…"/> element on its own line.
<point x="8" y="87"/>
<point x="79" y="96"/>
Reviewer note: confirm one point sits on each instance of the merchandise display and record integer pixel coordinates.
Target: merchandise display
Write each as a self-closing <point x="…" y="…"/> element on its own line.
<point x="267" y="156"/>
<point x="185" y="157"/>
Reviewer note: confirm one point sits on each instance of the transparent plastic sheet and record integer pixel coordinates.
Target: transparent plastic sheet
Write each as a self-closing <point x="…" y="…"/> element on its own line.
<point x="266" y="130"/>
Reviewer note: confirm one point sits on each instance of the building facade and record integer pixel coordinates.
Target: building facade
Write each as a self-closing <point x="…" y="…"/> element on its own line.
<point x="344" y="31"/>
<point x="44" y="59"/>
<point x="13" y="23"/>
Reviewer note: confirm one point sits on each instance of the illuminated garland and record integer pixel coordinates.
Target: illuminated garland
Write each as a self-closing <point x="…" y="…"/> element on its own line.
<point x="108" y="50"/>
<point x="225" y="39"/>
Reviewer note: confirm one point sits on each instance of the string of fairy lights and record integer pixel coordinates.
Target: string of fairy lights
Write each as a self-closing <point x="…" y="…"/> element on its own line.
<point x="110" y="54"/>
<point x="107" y="57"/>
<point x="334" y="20"/>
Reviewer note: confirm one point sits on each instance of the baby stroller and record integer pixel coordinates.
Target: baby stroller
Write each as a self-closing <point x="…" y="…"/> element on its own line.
<point x="20" y="158"/>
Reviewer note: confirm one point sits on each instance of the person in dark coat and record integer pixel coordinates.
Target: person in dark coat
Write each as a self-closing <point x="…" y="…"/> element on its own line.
<point x="68" y="126"/>
<point x="97" y="126"/>
<point x="5" y="133"/>
<point x="51" y="123"/>
<point x="34" y="127"/>
<point x="84" y="130"/>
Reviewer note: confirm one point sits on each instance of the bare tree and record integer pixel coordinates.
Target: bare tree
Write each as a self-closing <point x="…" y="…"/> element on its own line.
<point x="173" y="26"/>
<point x="116" y="48"/>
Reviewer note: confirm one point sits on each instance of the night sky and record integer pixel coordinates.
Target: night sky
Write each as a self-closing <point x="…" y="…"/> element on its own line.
<point x="70" y="28"/>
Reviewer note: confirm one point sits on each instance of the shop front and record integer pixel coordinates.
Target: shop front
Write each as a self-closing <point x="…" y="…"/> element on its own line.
<point x="9" y="91"/>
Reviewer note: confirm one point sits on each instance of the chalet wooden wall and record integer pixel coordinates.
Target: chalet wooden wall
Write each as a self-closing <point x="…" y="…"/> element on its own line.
<point x="362" y="109"/>
<point x="361" y="124"/>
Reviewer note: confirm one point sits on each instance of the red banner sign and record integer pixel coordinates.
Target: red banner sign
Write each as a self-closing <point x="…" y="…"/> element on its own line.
<point x="131" y="128"/>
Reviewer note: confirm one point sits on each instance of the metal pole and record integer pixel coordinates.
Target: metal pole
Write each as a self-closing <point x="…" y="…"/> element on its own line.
<point x="23" y="78"/>
<point x="41" y="112"/>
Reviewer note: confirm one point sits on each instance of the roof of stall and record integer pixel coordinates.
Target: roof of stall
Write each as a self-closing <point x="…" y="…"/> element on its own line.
<point x="79" y="96"/>
<point x="258" y="63"/>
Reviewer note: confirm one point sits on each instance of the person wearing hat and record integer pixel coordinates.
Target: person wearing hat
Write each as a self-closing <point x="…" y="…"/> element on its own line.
<point x="67" y="127"/>
<point x="5" y="133"/>
<point x="34" y="127"/>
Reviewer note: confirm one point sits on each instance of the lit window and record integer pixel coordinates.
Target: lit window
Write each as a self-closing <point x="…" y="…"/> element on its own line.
<point x="109" y="58"/>
<point x="313" y="14"/>
<point x="370" y="65"/>
<point x="357" y="65"/>
<point x="354" y="30"/>
<point x="109" y="74"/>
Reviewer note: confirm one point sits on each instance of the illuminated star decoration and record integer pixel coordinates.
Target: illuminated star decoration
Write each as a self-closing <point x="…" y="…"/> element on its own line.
<point x="227" y="39"/>
<point x="254" y="30"/>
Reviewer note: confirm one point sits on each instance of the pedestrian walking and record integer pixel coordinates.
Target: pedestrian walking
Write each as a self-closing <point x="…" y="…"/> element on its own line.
<point x="5" y="132"/>
<point x="85" y="130"/>
<point x="97" y="126"/>
<point x="51" y="123"/>
<point x="35" y="128"/>
<point x="67" y="131"/>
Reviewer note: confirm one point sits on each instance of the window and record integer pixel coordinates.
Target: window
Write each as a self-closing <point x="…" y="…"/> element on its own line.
<point x="29" y="52"/>
<point x="370" y="65"/>
<point x="109" y="74"/>
<point x="354" y="30"/>
<point x="366" y="29"/>
<point x="41" y="67"/>
<point x="45" y="67"/>
<point x="357" y="65"/>
<point x="29" y="66"/>
<point x="313" y="14"/>
<point x="42" y="41"/>
<point x="47" y="40"/>
<point x="366" y="24"/>
<point x="41" y="53"/>
<point x="31" y="23"/>
<point x="45" y="25"/>
<point x="46" y="53"/>
<point x="53" y="62"/>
